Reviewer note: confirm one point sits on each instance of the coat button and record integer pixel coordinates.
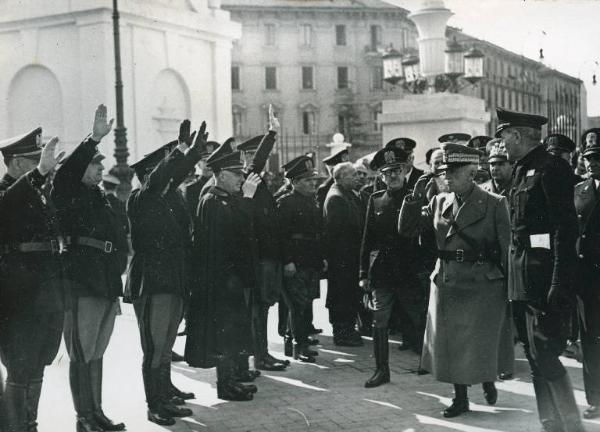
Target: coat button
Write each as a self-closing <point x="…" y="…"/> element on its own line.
<point x="579" y="216"/>
<point x="582" y="235"/>
<point x="580" y="255"/>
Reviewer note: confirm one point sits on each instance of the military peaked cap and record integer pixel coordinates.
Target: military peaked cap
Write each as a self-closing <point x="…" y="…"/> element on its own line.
<point x="150" y="160"/>
<point x="336" y="158"/>
<point x="286" y="166"/>
<point x="388" y="158"/>
<point x="559" y="142"/>
<point x="251" y="144"/>
<point x="498" y="152"/>
<point x="507" y="119"/>
<point x="454" y="137"/>
<point x="27" y="144"/>
<point x="458" y="154"/>
<point x="479" y="142"/>
<point x="224" y="158"/>
<point x="304" y="167"/>
<point x="406" y="144"/>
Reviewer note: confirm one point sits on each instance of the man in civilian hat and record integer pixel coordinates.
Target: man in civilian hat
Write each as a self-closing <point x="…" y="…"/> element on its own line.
<point x="160" y="274"/>
<point x="225" y="256"/>
<point x="31" y="276"/>
<point x="455" y="137"/>
<point x="330" y="162"/>
<point x="342" y="230"/>
<point x="408" y="145"/>
<point x="587" y="199"/>
<point x="267" y="234"/>
<point x="192" y="190"/>
<point x="541" y="258"/>
<point x="96" y="258"/>
<point x="303" y="257"/>
<point x="468" y="292"/>
<point x="480" y="143"/>
<point x="389" y="263"/>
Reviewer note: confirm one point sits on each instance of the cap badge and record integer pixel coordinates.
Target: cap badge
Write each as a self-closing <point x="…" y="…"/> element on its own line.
<point x="389" y="157"/>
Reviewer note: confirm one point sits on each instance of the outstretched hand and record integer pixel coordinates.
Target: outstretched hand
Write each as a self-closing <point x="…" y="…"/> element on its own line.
<point x="185" y="138"/>
<point x="273" y="121"/>
<point x="201" y="138"/>
<point x="47" y="160"/>
<point x="101" y="127"/>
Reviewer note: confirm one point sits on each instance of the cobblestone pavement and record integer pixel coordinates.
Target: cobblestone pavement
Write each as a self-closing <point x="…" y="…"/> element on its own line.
<point x="326" y="396"/>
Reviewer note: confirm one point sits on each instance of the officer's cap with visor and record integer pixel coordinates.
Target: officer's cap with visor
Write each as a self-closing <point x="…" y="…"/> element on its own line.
<point x="25" y="145"/>
<point x="388" y="159"/>
<point x="456" y="155"/>
<point x="508" y="119"/>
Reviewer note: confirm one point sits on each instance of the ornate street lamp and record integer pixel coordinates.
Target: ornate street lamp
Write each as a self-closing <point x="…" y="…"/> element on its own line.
<point x="393" y="72"/>
<point x="473" y="65"/>
<point x="455" y="61"/>
<point x="411" y="68"/>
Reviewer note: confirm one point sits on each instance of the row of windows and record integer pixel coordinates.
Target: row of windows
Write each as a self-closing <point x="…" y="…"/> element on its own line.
<point x="517" y="101"/>
<point x="307" y="81"/>
<point x="308" y="121"/>
<point x="341" y="36"/>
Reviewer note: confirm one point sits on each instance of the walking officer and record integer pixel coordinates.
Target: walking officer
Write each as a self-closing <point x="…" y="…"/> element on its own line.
<point x="587" y="204"/>
<point x="389" y="262"/>
<point x="96" y="258"/>
<point x="541" y="262"/>
<point x="159" y="279"/>
<point x="31" y="277"/>
<point x="302" y="251"/>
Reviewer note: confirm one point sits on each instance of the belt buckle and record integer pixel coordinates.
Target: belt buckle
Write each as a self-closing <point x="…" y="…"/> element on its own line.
<point x="108" y="246"/>
<point x="460" y="255"/>
<point x="54" y="246"/>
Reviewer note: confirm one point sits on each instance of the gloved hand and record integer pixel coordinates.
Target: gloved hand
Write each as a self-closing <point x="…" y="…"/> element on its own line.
<point x="185" y="138"/>
<point x="201" y="139"/>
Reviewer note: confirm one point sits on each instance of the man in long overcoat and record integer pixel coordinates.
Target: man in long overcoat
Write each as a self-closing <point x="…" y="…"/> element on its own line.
<point x="587" y="204"/>
<point x="342" y="230"/>
<point x="31" y="277"/>
<point x="541" y="262"/>
<point x="225" y="256"/>
<point x="468" y="296"/>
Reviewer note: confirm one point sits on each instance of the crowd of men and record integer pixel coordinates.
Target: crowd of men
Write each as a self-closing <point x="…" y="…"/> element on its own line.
<point x="498" y="234"/>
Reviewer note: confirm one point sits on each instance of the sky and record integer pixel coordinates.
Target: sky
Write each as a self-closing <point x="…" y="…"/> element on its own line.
<point x="567" y="30"/>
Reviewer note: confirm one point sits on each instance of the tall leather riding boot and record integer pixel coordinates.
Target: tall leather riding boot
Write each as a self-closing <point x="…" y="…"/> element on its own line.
<point x="460" y="403"/>
<point x="564" y="401"/>
<point x="95" y="369"/>
<point x="174" y="391"/>
<point x="81" y="391"/>
<point x="164" y="383"/>
<point x="381" y="353"/>
<point x="227" y="388"/>
<point x="156" y="413"/>
<point x="15" y="403"/>
<point x="34" y="390"/>
<point x="546" y="411"/>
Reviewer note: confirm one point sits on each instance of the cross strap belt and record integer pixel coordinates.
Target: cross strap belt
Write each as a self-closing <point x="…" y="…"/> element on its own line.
<point x="103" y="245"/>
<point x="52" y="245"/>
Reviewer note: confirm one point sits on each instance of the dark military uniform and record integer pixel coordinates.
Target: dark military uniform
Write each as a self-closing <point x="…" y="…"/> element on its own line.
<point x="96" y="258"/>
<point x="541" y="258"/>
<point x="159" y="278"/>
<point x="192" y="193"/>
<point x="31" y="287"/>
<point x="225" y="259"/>
<point x="301" y="223"/>
<point x="587" y="204"/>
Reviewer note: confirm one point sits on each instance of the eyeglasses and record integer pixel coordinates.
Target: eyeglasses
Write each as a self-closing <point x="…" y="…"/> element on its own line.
<point x="393" y="172"/>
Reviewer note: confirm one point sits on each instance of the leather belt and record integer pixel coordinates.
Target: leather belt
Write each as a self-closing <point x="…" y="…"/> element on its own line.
<point x="305" y="237"/>
<point x="103" y="245"/>
<point x="460" y="255"/>
<point x="52" y="245"/>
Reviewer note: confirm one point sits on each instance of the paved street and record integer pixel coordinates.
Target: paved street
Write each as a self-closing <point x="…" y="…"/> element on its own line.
<point x="326" y="396"/>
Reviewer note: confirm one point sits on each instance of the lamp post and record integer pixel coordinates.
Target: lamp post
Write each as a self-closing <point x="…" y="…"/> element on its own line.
<point x="121" y="170"/>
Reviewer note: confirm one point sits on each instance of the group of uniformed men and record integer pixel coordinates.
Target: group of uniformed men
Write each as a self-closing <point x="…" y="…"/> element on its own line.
<point x="493" y="220"/>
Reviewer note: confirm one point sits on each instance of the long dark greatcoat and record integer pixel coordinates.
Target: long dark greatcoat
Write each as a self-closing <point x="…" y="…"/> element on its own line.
<point x="225" y="256"/>
<point x="161" y="230"/>
<point x="85" y="212"/>
<point x="342" y="231"/>
<point x="30" y="283"/>
<point x="468" y="299"/>
<point x="587" y="204"/>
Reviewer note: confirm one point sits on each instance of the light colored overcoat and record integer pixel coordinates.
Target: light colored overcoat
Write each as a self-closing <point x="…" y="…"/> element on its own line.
<point x="467" y="305"/>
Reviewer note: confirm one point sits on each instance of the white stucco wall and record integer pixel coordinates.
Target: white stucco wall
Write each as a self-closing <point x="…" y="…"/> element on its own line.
<point x="57" y="65"/>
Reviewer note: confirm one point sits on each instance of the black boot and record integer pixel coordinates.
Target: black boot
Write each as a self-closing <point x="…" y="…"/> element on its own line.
<point x="288" y="346"/>
<point x="546" y="411"/>
<point x="15" y="405"/>
<point x="156" y="413"/>
<point x="460" y="403"/>
<point x="227" y="388"/>
<point x="381" y="353"/>
<point x="81" y="391"/>
<point x="303" y="354"/>
<point x="174" y="391"/>
<point x="165" y="392"/>
<point x="34" y="390"/>
<point x="95" y="369"/>
<point x="489" y="392"/>
<point x="564" y="401"/>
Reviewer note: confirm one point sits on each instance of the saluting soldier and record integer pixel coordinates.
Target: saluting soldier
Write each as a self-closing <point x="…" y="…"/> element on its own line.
<point x="31" y="276"/>
<point x="540" y="264"/>
<point x="225" y="258"/>
<point x="302" y="251"/>
<point x="468" y="292"/>
<point x="160" y="271"/>
<point x="96" y="258"/>
<point x="389" y="263"/>
<point x="587" y="204"/>
<point x="193" y="189"/>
